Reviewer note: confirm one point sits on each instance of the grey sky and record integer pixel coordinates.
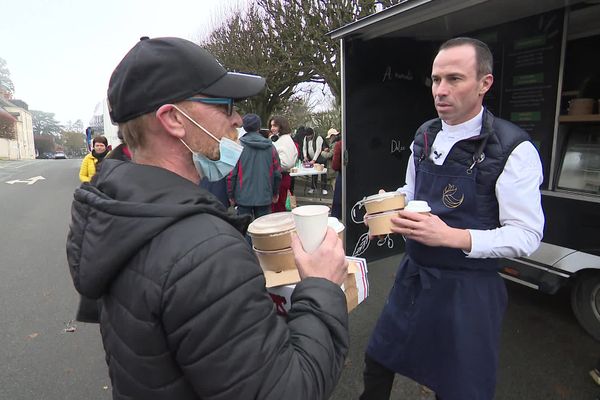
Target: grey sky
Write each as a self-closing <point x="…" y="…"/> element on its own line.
<point x="61" y="53"/>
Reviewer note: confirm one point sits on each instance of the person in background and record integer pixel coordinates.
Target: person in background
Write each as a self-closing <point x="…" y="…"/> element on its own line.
<point x="298" y="137"/>
<point x="185" y="312"/>
<point x="288" y="156"/>
<point x="121" y="152"/>
<point x="336" y="165"/>
<point x="481" y="176"/>
<point x="253" y="185"/>
<point x="311" y="153"/>
<point x="91" y="162"/>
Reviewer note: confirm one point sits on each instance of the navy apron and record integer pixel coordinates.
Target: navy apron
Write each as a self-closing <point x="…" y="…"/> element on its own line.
<point x="442" y="320"/>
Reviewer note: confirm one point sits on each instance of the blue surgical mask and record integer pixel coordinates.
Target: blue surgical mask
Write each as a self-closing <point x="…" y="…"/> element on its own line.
<point x="215" y="170"/>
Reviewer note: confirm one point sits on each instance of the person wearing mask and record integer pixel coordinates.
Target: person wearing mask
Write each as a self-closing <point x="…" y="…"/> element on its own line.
<point x="253" y="185"/>
<point x="311" y="153"/>
<point x="480" y="175"/>
<point x="185" y="312"/>
<point x="288" y="157"/>
<point x="91" y="162"/>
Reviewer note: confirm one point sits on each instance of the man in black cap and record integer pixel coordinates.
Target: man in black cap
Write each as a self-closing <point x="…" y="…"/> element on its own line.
<point x="185" y="313"/>
<point x="254" y="182"/>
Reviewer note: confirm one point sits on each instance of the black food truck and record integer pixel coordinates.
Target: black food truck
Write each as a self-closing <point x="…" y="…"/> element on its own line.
<point x="547" y="81"/>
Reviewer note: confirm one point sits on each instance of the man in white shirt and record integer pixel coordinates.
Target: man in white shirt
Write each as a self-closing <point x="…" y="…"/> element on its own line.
<point x="481" y="176"/>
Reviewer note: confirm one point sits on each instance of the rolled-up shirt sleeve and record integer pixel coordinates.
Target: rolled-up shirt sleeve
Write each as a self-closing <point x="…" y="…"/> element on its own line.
<point x="520" y="210"/>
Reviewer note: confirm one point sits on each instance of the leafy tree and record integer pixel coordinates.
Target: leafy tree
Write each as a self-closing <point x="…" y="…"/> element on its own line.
<point x="73" y="141"/>
<point x="5" y="82"/>
<point x="44" y="123"/>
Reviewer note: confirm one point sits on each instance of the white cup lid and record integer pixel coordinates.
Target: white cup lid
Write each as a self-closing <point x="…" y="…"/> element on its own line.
<point x="417" y="206"/>
<point x="335" y="223"/>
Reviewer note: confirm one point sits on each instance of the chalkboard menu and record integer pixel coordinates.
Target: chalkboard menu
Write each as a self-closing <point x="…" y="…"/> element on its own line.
<point x="388" y="96"/>
<point x="527" y="54"/>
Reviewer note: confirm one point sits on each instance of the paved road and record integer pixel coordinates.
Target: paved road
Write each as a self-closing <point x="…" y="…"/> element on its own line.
<point x="545" y="355"/>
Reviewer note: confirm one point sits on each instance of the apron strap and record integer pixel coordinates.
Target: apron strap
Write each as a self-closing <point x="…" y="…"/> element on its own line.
<point x="479" y="155"/>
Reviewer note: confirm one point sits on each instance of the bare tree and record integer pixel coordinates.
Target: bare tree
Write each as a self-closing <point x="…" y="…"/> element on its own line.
<point x="247" y="43"/>
<point x="304" y="25"/>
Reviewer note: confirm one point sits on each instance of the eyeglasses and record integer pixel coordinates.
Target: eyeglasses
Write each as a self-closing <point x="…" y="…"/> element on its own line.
<point x="216" y="101"/>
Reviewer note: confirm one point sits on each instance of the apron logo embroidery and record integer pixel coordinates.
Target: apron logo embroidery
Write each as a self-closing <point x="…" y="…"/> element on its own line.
<point x="449" y="196"/>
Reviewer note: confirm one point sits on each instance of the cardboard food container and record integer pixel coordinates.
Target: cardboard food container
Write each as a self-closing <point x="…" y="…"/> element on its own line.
<point x="581" y="106"/>
<point x="272" y="231"/>
<point x="381" y="223"/>
<point x="382" y="202"/>
<point x="319" y="167"/>
<point x="355" y="287"/>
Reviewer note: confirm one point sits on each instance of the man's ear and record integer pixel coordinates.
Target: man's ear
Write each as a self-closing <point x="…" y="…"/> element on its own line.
<point x="171" y="120"/>
<point x="486" y="83"/>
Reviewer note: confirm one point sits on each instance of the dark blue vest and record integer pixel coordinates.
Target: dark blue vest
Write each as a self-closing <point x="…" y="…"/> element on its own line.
<point x="499" y="138"/>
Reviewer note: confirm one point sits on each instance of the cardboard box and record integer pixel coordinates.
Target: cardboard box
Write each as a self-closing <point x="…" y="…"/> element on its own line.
<point x="356" y="287"/>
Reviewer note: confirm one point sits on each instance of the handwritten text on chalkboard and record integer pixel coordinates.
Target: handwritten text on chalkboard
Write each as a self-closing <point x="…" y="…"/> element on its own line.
<point x="390" y="75"/>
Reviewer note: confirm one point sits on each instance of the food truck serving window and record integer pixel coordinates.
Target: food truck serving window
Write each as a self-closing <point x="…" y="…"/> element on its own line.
<point x="580" y="169"/>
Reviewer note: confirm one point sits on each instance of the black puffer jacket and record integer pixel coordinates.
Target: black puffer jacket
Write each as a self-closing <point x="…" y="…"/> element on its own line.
<point x="185" y="313"/>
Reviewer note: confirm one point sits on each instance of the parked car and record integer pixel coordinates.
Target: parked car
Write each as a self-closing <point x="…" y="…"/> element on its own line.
<point x="59" y="154"/>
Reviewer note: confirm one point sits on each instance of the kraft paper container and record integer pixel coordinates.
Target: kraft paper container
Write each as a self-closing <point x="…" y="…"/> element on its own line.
<point x="319" y="167"/>
<point x="384" y="202"/>
<point x="380" y="224"/>
<point x="581" y="106"/>
<point x="355" y="287"/>
<point x="291" y="276"/>
<point x="272" y="231"/>
<point x="276" y="260"/>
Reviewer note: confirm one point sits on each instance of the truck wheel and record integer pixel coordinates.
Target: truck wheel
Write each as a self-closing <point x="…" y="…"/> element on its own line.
<point x="585" y="302"/>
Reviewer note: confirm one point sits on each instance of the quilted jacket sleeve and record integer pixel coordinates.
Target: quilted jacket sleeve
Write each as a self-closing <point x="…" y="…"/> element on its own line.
<point x="222" y="327"/>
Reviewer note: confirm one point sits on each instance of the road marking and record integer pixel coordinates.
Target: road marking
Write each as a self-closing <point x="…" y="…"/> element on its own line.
<point x="29" y="181"/>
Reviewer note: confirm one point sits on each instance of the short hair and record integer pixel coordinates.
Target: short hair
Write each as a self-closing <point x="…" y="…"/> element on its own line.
<point x="483" y="55"/>
<point x="282" y="123"/>
<point x="133" y="131"/>
<point x="309" y="131"/>
<point x="100" y="139"/>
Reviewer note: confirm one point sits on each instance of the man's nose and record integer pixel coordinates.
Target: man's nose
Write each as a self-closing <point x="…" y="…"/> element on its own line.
<point x="237" y="119"/>
<point x="441" y="88"/>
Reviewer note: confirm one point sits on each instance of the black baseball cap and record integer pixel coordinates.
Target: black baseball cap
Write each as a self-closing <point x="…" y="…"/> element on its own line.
<point x="167" y="70"/>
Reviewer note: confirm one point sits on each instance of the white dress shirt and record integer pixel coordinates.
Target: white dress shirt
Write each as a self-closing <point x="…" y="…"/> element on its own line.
<point x="288" y="154"/>
<point x="517" y="190"/>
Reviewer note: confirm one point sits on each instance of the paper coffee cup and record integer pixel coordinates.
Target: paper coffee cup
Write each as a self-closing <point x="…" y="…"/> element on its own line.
<point x="419" y="206"/>
<point x="311" y="225"/>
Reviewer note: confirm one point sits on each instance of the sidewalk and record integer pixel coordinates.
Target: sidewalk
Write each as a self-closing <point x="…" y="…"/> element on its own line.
<point x="361" y="322"/>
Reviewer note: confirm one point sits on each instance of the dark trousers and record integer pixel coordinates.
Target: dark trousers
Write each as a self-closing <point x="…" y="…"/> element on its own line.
<point x="323" y="181"/>
<point x="378" y="381"/>
<point x="254" y="211"/>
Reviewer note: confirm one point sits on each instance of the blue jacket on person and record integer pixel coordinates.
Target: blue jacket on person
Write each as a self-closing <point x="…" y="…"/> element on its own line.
<point x="256" y="177"/>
